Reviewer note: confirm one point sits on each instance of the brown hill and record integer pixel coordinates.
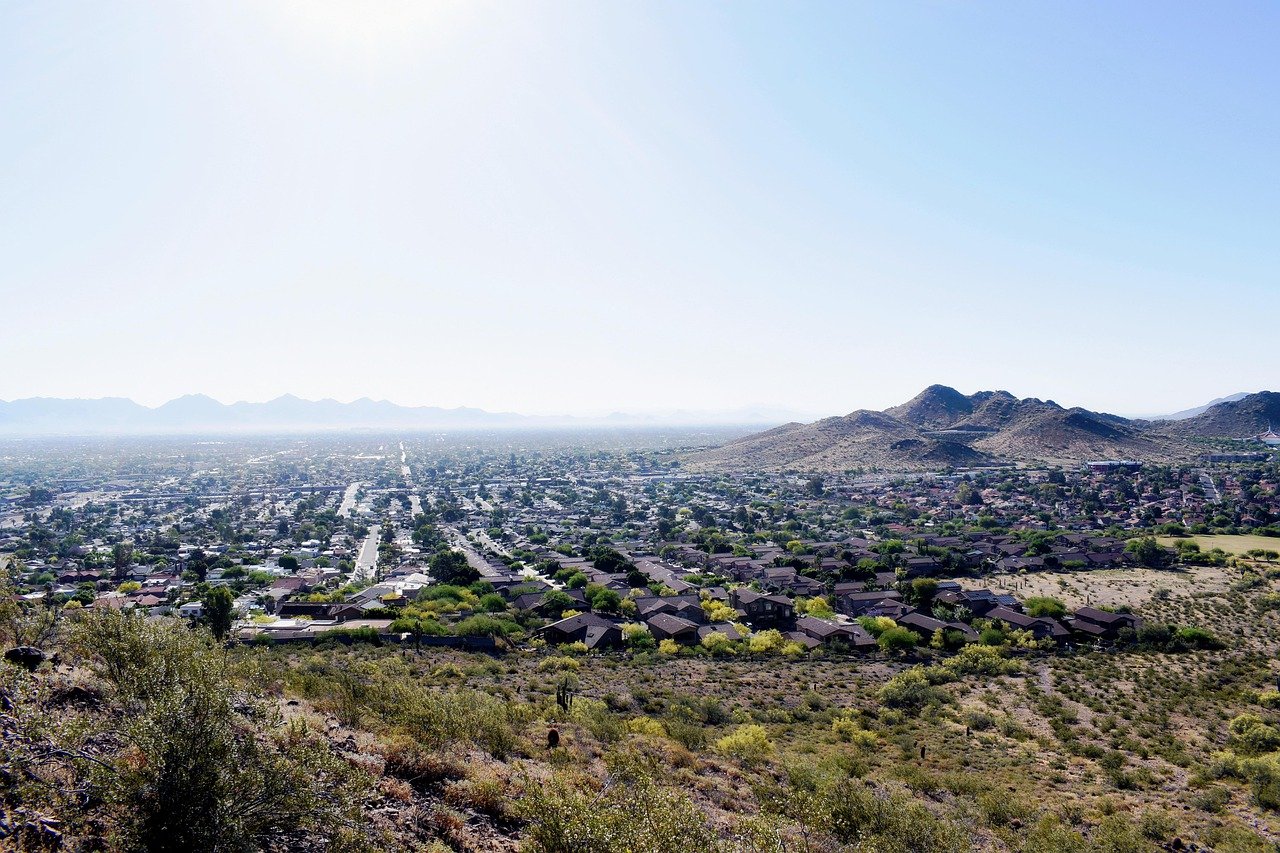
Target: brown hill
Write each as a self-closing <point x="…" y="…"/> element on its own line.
<point x="940" y="427"/>
<point x="1243" y="418"/>
<point x="936" y="407"/>
<point x="862" y="439"/>
<point x="1073" y="435"/>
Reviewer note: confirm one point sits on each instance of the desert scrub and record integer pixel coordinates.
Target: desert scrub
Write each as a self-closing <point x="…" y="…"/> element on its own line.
<point x="749" y="744"/>
<point x="910" y="690"/>
<point x="630" y="811"/>
<point x="199" y="759"/>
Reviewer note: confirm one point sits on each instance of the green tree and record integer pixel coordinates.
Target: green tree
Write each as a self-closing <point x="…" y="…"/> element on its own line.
<point x="1043" y="605"/>
<point x="218" y="609"/>
<point x="897" y="639"/>
<point x="451" y="567"/>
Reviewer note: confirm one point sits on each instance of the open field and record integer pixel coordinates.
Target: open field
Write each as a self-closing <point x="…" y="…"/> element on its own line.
<point x="1238" y="544"/>
<point x="1132" y="587"/>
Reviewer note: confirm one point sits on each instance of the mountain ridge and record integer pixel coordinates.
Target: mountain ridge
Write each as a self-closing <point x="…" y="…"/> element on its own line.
<point x="942" y="427"/>
<point x="195" y="413"/>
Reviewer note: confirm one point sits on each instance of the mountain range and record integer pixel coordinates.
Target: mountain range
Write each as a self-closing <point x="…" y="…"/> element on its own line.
<point x="942" y="427"/>
<point x="196" y="413"/>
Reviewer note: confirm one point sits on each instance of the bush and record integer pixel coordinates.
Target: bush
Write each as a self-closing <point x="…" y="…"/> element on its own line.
<point x="766" y="642"/>
<point x="910" y="690"/>
<point x="859" y="815"/>
<point x="636" y="814"/>
<point x="897" y="639"/>
<point x="1040" y="605"/>
<point x="749" y="744"/>
<point x="981" y="660"/>
<point x="558" y="663"/>
<point x="197" y="767"/>
<point x="1252" y="735"/>
<point x="850" y="732"/>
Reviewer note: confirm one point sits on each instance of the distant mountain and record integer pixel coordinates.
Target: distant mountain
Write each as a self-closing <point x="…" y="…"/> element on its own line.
<point x="1191" y="413"/>
<point x="1245" y="417"/>
<point x="196" y="413"/>
<point x="941" y="427"/>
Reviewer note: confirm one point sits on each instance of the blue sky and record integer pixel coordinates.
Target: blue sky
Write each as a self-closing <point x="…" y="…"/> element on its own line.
<point x="584" y="207"/>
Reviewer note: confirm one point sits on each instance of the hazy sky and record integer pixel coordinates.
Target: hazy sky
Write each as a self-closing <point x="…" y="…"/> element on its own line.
<point x="577" y="207"/>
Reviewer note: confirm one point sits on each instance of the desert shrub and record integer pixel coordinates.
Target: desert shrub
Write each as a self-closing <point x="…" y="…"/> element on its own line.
<point x="690" y="735"/>
<point x="876" y="625"/>
<point x="1114" y="834"/>
<point x="196" y="767"/>
<point x="1157" y="825"/>
<point x="558" y="663"/>
<point x="638" y="637"/>
<point x="981" y="660"/>
<point x="979" y="721"/>
<point x="1212" y="799"/>
<point x="857" y="814"/>
<point x="897" y="639"/>
<point x="1001" y="809"/>
<point x="993" y="637"/>
<point x="646" y="726"/>
<point x="567" y="815"/>
<point x="594" y="716"/>
<point x="717" y="644"/>
<point x="1040" y="605"/>
<point x="850" y="732"/>
<point x="407" y="760"/>
<point x="910" y="690"/>
<point x="436" y="718"/>
<point x="766" y="642"/>
<point x="1050" y="836"/>
<point x="1252" y="736"/>
<point x="749" y="744"/>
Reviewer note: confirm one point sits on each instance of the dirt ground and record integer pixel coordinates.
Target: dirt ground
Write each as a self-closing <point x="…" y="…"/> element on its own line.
<point x="1231" y="544"/>
<point x="1109" y="587"/>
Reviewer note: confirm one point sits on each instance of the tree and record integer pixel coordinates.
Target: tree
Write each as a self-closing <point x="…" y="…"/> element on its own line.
<point x="288" y="562"/>
<point x="555" y="601"/>
<point x="1042" y="605"/>
<point x="897" y="639"/>
<point x="121" y="558"/>
<point x="218" y="608"/>
<point x="451" y="567"/>
<point x="1147" y="552"/>
<point x="922" y="592"/>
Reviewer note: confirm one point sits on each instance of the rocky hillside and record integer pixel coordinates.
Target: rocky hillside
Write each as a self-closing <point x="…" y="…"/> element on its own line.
<point x="1243" y="418"/>
<point x="941" y="427"/>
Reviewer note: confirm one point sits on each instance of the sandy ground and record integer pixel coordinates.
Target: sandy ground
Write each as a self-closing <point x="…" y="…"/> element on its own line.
<point x="1230" y="544"/>
<point x="1109" y="587"/>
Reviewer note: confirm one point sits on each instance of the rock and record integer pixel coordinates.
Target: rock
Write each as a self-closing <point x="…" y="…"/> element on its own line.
<point x="27" y="657"/>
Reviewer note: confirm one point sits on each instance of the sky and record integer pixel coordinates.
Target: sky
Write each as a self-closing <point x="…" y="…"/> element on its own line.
<point x="584" y="207"/>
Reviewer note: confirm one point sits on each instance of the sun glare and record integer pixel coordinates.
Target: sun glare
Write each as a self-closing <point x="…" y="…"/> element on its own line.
<point x="367" y="32"/>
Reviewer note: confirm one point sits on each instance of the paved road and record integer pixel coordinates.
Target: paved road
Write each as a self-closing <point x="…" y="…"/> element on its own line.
<point x="367" y="560"/>
<point x="348" y="500"/>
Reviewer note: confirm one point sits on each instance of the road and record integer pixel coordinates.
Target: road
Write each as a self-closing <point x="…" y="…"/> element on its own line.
<point x="348" y="500"/>
<point x="367" y="560"/>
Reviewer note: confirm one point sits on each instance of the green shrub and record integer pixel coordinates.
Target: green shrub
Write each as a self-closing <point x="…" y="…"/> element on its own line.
<point x="910" y="690"/>
<point x="749" y="744"/>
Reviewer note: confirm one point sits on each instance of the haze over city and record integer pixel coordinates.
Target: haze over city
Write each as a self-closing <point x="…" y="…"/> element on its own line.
<point x="577" y="208"/>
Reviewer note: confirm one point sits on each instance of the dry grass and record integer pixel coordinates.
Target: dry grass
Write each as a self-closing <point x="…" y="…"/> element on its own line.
<point x="1132" y="587"/>
<point x="1238" y="544"/>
